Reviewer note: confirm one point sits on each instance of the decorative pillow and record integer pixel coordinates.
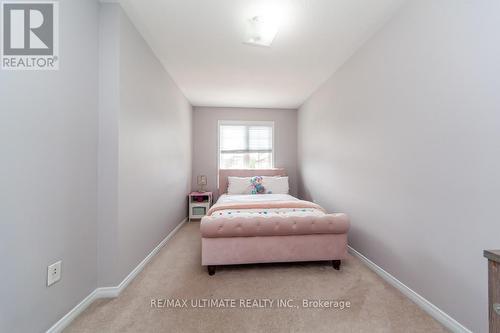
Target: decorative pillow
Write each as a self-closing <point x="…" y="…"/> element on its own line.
<point x="258" y="185"/>
<point x="239" y="185"/>
<point x="276" y="185"/>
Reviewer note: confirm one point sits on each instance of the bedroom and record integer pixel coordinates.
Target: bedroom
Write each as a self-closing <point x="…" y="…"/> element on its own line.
<point x="347" y="154"/>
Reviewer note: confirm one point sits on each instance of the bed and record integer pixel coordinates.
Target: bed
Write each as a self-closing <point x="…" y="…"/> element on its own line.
<point x="264" y="228"/>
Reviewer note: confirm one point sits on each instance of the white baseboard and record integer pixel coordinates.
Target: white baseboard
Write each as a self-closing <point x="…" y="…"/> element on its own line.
<point x="424" y="304"/>
<point x="73" y="313"/>
<point x="110" y="292"/>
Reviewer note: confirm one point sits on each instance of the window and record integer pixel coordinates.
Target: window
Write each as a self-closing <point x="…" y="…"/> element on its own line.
<point x="246" y="145"/>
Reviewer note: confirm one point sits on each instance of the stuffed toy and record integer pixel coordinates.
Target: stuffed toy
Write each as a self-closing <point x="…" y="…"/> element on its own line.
<point x="257" y="187"/>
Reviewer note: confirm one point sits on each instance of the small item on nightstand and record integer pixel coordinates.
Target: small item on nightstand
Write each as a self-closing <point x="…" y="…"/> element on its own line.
<point x="202" y="182"/>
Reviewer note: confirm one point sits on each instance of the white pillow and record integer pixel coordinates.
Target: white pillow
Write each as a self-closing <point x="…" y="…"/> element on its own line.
<point x="239" y="185"/>
<point x="275" y="185"/>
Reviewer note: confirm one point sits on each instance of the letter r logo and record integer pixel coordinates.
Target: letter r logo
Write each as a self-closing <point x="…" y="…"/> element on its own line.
<point x="28" y="28"/>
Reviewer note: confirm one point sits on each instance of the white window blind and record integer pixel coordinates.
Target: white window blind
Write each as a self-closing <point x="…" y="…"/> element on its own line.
<point x="245" y="145"/>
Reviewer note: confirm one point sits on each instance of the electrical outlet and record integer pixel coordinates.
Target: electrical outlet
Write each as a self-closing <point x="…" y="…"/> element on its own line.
<point x="54" y="273"/>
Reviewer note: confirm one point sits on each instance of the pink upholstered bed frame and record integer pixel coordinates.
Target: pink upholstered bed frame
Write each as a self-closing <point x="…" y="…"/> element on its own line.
<point x="264" y="249"/>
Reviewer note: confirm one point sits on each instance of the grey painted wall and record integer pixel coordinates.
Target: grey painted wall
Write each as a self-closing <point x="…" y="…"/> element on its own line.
<point x="146" y="124"/>
<point x="205" y="121"/>
<point x="96" y="163"/>
<point x="48" y="135"/>
<point x="109" y="113"/>
<point x="405" y="139"/>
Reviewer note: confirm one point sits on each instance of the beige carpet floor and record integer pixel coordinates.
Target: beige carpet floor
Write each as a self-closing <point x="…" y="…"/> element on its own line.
<point x="176" y="273"/>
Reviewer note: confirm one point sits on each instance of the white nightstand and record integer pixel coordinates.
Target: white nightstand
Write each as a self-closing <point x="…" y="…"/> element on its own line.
<point x="199" y="203"/>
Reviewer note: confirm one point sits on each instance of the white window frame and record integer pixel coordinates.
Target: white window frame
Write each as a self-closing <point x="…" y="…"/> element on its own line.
<point x="247" y="123"/>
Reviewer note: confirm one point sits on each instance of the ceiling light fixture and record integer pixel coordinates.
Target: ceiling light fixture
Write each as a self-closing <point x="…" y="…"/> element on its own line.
<point x="261" y="31"/>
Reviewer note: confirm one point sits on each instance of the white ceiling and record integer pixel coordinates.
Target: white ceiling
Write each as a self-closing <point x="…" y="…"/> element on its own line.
<point x="200" y="43"/>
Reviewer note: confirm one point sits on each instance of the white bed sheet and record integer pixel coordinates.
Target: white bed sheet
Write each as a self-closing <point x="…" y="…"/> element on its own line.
<point x="262" y="212"/>
<point x="230" y="198"/>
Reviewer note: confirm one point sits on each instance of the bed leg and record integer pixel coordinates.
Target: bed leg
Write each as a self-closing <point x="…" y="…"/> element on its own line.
<point x="336" y="264"/>
<point x="211" y="270"/>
